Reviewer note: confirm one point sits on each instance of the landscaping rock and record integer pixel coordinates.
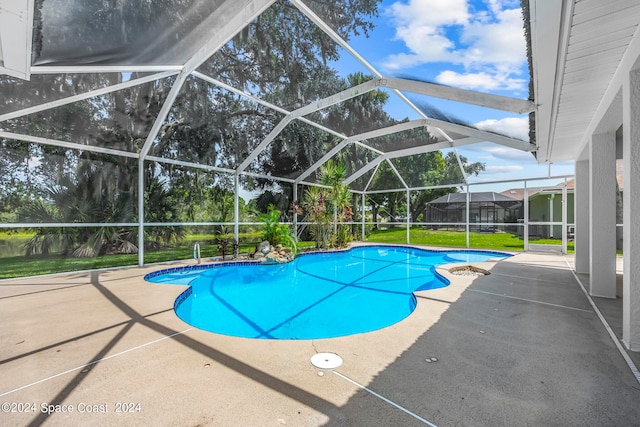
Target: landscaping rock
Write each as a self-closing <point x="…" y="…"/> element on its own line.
<point x="264" y="247"/>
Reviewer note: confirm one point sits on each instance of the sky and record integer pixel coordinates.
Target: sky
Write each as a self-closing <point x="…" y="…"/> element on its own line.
<point x="470" y="44"/>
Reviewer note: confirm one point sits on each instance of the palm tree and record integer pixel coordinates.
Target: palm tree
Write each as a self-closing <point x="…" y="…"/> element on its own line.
<point x="92" y="196"/>
<point x="330" y="204"/>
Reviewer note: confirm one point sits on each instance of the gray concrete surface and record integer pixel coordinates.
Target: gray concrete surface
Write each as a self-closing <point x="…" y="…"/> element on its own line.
<point x="519" y="347"/>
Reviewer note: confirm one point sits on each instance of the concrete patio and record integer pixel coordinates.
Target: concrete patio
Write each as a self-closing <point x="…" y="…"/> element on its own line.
<point x="522" y="346"/>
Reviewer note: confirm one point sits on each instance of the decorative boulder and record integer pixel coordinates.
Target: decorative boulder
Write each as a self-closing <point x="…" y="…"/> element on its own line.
<point x="264" y="247"/>
<point x="275" y="257"/>
<point x="268" y="254"/>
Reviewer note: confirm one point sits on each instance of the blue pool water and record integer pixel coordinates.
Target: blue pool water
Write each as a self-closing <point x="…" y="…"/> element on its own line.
<point x="316" y="296"/>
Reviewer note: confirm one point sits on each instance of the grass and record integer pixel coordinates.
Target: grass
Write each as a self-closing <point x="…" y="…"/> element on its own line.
<point x="421" y="236"/>
<point x="20" y="266"/>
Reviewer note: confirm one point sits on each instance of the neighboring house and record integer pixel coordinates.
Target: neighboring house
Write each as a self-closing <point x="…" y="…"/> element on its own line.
<point x="485" y="208"/>
<point x="545" y="205"/>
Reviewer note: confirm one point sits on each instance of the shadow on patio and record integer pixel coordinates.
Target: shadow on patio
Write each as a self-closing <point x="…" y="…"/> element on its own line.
<point x="521" y="346"/>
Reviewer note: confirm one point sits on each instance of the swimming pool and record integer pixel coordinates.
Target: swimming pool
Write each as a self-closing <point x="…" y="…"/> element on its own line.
<point x="318" y="295"/>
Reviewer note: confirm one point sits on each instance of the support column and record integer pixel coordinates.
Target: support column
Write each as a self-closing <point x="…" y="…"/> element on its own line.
<point x="140" y="212"/>
<point x="525" y="201"/>
<point x="468" y="204"/>
<point x="631" y="210"/>
<point x="551" y="199"/>
<point x="236" y="208"/>
<point x="295" y="210"/>
<point x="581" y="217"/>
<point x="408" y="218"/>
<point x="563" y="204"/>
<point x="602" y="215"/>
<point x="364" y="200"/>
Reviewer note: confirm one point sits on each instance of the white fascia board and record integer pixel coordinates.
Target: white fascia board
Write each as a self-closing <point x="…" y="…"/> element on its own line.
<point x="11" y="73"/>
<point x="16" y="17"/>
<point x="497" y="102"/>
<point x="545" y="27"/>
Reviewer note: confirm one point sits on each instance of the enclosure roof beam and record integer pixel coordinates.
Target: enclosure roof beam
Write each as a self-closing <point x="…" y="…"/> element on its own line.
<point x="230" y="18"/>
<point x="308" y="109"/>
<point x="342" y="43"/>
<point x="339" y="97"/>
<point x="83" y="96"/>
<point x="162" y="115"/>
<point x="334" y="36"/>
<point x="264" y="176"/>
<point x="427" y="148"/>
<point x="366" y="135"/>
<point x="266" y="141"/>
<point x="262" y="102"/>
<point x="482" y="135"/>
<point x="498" y="102"/>
<point x="393" y="168"/>
<point x="371" y="178"/>
<point x="189" y="164"/>
<point x="366" y="168"/>
<point x="91" y="69"/>
<point x="64" y="144"/>
<point x="239" y="92"/>
<point x="408" y="152"/>
<point x="229" y="22"/>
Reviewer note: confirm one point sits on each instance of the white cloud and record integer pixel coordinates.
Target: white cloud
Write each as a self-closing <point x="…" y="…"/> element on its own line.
<point x="489" y="45"/>
<point x="515" y="127"/>
<point x="420" y="25"/>
<point x="500" y="43"/>
<point x="502" y="169"/>
<point x="482" y="80"/>
<point x="496" y="154"/>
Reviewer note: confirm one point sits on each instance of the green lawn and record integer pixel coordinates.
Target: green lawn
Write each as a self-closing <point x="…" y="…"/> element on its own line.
<point x="20" y="266"/>
<point x="421" y="236"/>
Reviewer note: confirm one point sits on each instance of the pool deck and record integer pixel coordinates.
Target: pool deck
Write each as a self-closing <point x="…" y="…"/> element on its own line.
<point x="520" y="347"/>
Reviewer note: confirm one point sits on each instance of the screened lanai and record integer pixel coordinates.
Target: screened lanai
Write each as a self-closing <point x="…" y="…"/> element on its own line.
<point x="144" y="134"/>
<point x="195" y="115"/>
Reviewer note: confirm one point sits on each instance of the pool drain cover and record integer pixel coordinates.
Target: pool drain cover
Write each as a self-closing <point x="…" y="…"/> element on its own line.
<point x="326" y="360"/>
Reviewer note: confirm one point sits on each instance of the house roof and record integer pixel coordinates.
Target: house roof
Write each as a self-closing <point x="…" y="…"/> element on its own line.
<point x="580" y="53"/>
<point x="487" y="196"/>
<point x="518" y="193"/>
